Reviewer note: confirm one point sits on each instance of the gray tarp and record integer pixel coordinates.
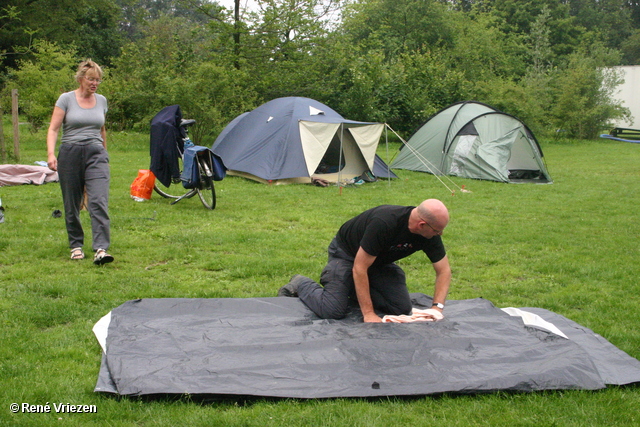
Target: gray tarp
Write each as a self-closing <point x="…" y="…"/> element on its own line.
<point x="276" y="347"/>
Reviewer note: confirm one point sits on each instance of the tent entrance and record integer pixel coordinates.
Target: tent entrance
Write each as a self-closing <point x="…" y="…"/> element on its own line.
<point x="525" y="163"/>
<point x="333" y="160"/>
<point x="339" y="156"/>
<point x="516" y="175"/>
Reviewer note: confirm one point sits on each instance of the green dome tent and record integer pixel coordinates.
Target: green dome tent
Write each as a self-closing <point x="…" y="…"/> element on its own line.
<point x="473" y="140"/>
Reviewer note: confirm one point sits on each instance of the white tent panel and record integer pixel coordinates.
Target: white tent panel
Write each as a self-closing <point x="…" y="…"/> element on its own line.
<point x="315" y="138"/>
<point x="367" y="138"/>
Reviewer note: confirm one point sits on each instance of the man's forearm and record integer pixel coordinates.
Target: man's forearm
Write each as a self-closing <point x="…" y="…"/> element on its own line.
<point x="441" y="289"/>
<point x="443" y="281"/>
<point x="363" y="293"/>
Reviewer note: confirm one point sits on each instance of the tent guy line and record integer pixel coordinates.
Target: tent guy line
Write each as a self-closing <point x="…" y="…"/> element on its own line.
<point x="430" y="166"/>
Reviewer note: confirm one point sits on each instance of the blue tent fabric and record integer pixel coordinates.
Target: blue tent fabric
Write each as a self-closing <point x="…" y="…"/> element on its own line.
<point x="381" y="170"/>
<point x="266" y="141"/>
<point x="276" y="347"/>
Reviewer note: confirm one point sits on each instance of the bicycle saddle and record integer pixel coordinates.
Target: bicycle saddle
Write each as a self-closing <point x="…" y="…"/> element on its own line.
<point x="184" y="123"/>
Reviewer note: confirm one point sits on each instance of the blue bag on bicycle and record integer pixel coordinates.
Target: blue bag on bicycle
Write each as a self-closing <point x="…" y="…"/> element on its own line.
<point x="190" y="176"/>
<point x="219" y="169"/>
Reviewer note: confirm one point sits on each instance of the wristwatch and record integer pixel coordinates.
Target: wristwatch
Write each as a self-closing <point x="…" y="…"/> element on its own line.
<point x="438" y="304"/>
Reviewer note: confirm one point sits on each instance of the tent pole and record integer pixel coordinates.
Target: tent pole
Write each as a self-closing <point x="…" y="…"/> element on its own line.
<point x="340" y="157"/>
<point x="386" y="143"/>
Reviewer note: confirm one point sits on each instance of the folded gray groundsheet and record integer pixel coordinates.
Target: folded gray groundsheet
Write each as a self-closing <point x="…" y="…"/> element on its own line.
<point x="276" y="347"/>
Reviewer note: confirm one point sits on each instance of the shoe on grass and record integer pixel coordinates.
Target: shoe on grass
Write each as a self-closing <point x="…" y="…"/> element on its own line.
<point x="102" y="257"/>
<point x="77" y="254"/>
<point x="291" y="288"/>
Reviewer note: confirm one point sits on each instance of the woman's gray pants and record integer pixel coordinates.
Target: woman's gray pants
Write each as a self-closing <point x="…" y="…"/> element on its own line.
<point x="387" y="285"/>
<point x="83" y="166"/>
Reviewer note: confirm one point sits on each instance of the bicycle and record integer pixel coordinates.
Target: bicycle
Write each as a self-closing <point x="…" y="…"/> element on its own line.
<point x="196" y="169"/>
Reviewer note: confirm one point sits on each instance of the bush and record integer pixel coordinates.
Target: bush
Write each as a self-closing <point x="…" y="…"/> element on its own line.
<point x="170" y="65"/>
<point x="41" y="81"/>
<point x="582" y="97"/>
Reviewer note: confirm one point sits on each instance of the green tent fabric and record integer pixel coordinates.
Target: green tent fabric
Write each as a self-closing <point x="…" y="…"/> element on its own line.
<point x="473" y="140"/>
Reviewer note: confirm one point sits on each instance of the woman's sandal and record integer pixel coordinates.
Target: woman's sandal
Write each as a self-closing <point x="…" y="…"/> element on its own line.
<point x="102" y="257"/>
<point x="77" y="254"/>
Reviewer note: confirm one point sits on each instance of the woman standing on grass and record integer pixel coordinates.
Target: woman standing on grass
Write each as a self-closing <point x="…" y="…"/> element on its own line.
<point x="83" y="162"/>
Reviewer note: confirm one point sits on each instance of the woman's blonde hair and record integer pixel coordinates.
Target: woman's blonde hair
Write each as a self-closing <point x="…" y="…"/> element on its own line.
<point x="85" y="66"/>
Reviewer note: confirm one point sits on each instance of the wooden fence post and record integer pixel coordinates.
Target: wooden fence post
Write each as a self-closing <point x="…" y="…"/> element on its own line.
<point x="3" y="151"/>
<point x="16" y="123"/>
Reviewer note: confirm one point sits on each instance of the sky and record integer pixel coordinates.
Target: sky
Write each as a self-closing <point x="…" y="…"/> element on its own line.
<point x="229" y="4"/>
<point x="253" y="5"/>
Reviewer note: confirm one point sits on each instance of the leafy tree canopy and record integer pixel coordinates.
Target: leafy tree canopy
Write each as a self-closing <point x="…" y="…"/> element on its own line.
<point x="397" y="61"/>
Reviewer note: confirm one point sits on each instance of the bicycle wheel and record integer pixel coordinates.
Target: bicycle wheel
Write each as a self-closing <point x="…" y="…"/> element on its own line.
<point x="208" y="194"/>
<point x="206" y="189"/>
<point x="164" y="191"/>
<point x="174" y="190"/>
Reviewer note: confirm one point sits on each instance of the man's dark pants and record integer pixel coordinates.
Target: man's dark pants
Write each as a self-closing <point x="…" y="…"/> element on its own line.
<point x="387" y="284"/>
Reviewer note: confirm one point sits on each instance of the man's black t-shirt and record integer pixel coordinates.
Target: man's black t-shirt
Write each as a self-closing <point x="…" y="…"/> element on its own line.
<point x="383" y="232"/>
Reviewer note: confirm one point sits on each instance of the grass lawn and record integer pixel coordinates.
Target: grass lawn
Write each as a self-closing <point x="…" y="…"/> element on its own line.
<point x="570" y="247"/>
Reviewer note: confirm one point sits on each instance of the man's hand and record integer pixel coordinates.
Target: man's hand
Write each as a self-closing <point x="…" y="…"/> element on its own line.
<point x="372" y="318"/>
<point x="417" y="315"/>
<point x="429" y="313"/>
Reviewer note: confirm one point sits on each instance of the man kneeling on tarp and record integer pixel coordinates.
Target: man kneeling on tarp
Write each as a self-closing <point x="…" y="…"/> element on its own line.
<point x="362" y="267"/>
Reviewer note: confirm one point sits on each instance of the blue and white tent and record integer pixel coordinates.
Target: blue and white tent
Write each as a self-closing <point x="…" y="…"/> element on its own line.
<point x="295" y="139"/>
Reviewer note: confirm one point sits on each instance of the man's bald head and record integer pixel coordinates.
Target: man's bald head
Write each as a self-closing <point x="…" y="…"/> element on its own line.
<point x="434" y="212"/>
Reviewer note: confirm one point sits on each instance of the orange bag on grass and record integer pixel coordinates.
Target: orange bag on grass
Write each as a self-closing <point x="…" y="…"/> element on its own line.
<point x="142" y="186"/>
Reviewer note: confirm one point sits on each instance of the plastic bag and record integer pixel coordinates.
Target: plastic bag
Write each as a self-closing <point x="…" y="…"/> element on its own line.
<point x="142" y="186"/>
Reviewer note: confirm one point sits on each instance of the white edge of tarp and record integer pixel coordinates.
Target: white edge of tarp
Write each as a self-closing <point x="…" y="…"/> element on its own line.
<point x="534" y="320"/>
<point x="101" y="330"/>
<point x="315" y="138"/>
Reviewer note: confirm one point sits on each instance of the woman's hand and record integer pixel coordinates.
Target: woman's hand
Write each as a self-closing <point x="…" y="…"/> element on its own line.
<point x="52" y="162"/>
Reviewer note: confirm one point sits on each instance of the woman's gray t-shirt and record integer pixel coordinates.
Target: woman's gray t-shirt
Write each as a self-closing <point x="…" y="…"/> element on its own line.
<point x="82" y="125"/>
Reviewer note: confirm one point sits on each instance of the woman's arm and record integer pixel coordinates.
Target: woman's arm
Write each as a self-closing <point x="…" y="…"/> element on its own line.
<point x="52" y="137"/>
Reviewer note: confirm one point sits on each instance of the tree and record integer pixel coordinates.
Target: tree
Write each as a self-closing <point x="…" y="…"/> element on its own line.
<point x="88" y="26"/>
<point x="398" y="26"/>
<point x="634" y="9"/>
<point x="136" y="13"/>
<point x="582" y="104"/>
<point x="286" y="29"/>
<point x="41" y="79"/>
<point x="517" y="16"/>
<point x="172" y="64"/>
<point x="631" y="49"/>
<point x="610" y="19"/>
